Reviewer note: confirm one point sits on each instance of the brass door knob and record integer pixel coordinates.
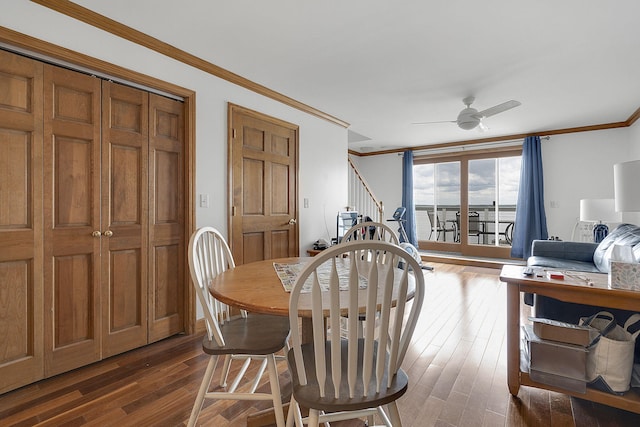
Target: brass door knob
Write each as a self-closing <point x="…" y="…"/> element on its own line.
<point x="292" y="221"/>
<point x="108" y="233"/>
<point x="96" y="234"/>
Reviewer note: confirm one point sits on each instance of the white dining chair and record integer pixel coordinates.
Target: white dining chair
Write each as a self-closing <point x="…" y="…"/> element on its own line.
<point x="371" y="230"/>
<point x="342" y="378"/>
<point x="246" y="337"/>
<point x="368" y="230"/>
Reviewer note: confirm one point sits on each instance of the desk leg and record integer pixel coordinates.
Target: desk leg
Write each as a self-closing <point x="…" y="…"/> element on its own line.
<point x="513" y="338"/>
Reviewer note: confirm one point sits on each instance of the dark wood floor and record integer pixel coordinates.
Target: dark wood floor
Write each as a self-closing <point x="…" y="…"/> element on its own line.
<point x="456" y="366"/>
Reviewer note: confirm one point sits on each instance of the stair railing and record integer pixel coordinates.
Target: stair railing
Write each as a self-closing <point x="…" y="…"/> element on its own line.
<point x="361" y="197"/>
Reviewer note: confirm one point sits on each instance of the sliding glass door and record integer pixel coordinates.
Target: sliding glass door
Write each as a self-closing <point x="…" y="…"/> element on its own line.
<point x="437" y="200"/>
<point x="493" y="192"/>
<point x="466" y="203"/>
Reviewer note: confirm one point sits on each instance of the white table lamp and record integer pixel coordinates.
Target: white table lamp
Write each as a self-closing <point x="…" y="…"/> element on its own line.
<point x="626" y="177"/>
<point x="599" y="211"/>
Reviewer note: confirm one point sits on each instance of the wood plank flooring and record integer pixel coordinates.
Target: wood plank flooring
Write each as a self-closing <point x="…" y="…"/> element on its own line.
<point x="456" y="365"/>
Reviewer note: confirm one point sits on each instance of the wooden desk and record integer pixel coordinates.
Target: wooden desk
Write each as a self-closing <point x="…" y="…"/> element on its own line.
<point x="569" y="290"/>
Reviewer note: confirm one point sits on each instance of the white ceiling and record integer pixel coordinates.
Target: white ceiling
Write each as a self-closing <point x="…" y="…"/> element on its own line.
<point x="381" y="65"/>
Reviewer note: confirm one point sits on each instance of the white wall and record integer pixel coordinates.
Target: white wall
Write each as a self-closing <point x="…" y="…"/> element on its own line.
<point x="579" y="166"/>
<point x="323" y="145"/>
<point x="634" y="141"/>
<point x="634" y="154"/>
<point x="383" y="173"/>
<point x="576" y="166"/>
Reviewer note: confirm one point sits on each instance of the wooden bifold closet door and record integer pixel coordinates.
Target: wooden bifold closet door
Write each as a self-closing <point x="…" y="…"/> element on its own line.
<point x="21" y="281"/>
<point x="71" y="195"/>
<point x="91" y="227"/>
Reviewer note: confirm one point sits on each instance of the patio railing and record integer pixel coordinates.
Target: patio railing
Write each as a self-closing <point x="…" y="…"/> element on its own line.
<point x="492" y="231"/>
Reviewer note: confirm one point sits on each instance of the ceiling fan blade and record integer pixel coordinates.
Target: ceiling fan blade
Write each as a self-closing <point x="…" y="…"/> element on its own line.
<point x="431" y="123"/>
<point x="499" y="108"/>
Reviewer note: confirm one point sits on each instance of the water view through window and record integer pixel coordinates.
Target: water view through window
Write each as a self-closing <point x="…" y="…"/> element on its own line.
<point x="492" y="193"/>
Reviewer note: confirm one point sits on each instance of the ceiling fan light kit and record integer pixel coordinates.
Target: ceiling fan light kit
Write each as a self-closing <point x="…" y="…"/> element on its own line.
<point x="470" y="118"/>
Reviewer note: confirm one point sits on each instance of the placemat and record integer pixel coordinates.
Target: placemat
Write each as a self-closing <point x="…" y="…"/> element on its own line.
<point x="288" y="273"/>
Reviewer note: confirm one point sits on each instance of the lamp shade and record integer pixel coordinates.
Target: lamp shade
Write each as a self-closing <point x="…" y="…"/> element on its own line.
<point x="626" y="177"/>
<point x="599" y="210"/>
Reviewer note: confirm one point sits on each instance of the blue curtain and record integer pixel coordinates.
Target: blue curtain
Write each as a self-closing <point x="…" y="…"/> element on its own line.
<point x="407" y="198"/>
<point x="531" y="221"/>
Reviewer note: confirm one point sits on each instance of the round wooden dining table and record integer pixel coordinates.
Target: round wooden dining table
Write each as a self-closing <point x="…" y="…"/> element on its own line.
<point x="256" y="287"/>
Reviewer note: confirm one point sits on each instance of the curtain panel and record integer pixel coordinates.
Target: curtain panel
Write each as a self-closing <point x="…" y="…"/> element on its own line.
<point x="531" y="220"/>
<point x="407" y="198"/>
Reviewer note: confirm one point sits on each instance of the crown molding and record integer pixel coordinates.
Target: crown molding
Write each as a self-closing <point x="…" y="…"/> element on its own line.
<point x="97" y="20"/>
<point x="511" y="137"/>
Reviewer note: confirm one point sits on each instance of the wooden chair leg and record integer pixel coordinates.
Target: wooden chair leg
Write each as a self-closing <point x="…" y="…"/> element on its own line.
<point x="313" y="419"/>
<point x="225" y="370"/>
<point x="370" y="421"/>
<point x="394" y="414"/>
<point x="204" y="387"/>
<point x="275" y="390"/>
<point x="293" y="415"/>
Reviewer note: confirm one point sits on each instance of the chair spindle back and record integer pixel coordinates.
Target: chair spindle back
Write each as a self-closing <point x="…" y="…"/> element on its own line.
<point x="209" y="255"/>
<point x="366" y="281"/>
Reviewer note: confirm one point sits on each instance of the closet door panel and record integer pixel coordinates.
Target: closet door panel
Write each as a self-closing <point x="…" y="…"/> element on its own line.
<point x="125" y="208"/>
<point x="73" y="300"/>
<point x="21" y="285"/>
<point x="71" y="219"/>
<point x="166" y="232"/>
<point x="125" y="290"/>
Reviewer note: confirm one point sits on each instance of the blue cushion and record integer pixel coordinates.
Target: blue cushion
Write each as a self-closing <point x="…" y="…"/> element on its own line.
<point x="561" y="264"/>
<point x="576" y="251"/>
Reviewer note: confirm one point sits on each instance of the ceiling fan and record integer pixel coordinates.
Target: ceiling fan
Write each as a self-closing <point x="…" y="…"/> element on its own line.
<point x="470" y="118"/>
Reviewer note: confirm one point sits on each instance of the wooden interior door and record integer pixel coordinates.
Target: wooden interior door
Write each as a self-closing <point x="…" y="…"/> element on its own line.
<point x="21" y="283"/>
<point x="264" y="164"/>
<point x="125" y="200"/>
<point x="166" y="216"/>
<point x="93" y="219"/>
<point x="71" y="219"/>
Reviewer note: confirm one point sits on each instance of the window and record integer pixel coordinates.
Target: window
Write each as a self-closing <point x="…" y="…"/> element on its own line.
<point x="466" y="203"/>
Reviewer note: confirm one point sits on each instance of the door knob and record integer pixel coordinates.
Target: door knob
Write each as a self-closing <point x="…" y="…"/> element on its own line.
<point x="96" y="234"/>
<point x="292" y="221"/>
<point x="108" y="233"/>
